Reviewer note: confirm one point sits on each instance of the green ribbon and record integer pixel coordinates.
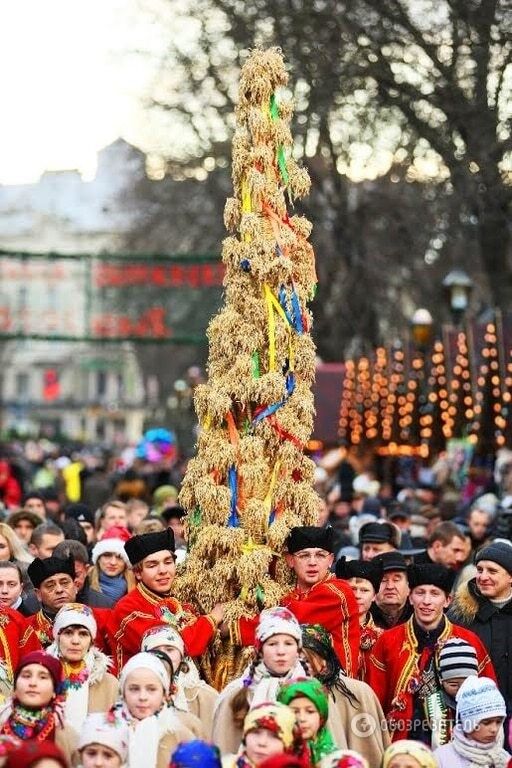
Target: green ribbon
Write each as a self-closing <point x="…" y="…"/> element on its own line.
<point x="255" y="359"/>
<point x="281" y="157"/>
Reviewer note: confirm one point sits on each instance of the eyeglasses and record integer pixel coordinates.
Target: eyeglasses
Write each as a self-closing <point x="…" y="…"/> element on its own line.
<point x="317" y="557"/>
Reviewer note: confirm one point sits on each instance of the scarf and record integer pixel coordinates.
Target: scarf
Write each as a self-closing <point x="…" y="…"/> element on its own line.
<point x="491" y="755"/>
<point x="113" y="587"/>
<point x="263" y="685"/>
<point x="144" y="735"/>
<point x="77" y="682"/>
<point x="27" y="723"/>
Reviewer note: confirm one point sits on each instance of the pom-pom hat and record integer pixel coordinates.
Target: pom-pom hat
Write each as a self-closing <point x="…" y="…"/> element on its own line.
<point x="277" y="621"/>
<point x="140" y="547"/>
<point x="109" y="546"/>
<point x="74" y="615"/>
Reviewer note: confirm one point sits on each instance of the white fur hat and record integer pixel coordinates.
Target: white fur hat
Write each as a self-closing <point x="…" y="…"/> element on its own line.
<point x="99" y="729"/>
<point x="146" y="661"/>
<point x="108" y="546"/>
<point x="74" y="614"/>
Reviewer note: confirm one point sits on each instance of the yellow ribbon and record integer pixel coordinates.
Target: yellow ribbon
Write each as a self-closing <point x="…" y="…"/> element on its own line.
<point x="267" y="502"/>
<point x="246" y="206"/>
<point x="274" y="305"/>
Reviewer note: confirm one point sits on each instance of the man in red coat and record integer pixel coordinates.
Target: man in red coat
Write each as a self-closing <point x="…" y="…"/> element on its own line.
<point x="151" y="603"/>
<point x="318" y="598"/>
<point x="16" y="640"/>
<point x="403" y="668"/>
<point x="54" y="581"/>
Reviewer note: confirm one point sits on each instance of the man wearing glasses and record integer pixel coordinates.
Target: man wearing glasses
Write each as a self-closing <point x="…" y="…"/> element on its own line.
<point x="318" y="597"/>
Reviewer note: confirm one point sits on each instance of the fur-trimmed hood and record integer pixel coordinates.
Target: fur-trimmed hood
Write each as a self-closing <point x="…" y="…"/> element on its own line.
<point x="469" y="604"/>
<point x="96" y="662"/>
<point x="465" y="604"/>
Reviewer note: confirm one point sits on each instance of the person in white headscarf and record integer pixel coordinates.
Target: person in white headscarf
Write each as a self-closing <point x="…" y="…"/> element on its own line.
<point x="103" y="741"/>
<point x="191" y="693"/>
<point x="155" y="729"/>
<point x="88" y="685"/>
<point x="278" y="645"/>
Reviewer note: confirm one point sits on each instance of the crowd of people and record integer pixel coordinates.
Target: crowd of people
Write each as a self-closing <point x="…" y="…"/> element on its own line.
<point x="391" y="650"/>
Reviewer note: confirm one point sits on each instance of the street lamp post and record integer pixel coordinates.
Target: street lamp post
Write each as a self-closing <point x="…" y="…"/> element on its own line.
<point x="459" y="286"/>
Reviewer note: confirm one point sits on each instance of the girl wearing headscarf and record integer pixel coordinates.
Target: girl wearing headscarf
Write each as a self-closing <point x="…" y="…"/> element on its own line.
<point x="418" y="755"/>
<point x="87" y="685"/>
<point x="269" y="729"/>
<point x="356" y="720"/>
<point x="308" y="700"/>
<point x="345" y="758"/>
<point x="154" y="728"/>
<point x="35" y="710"/>
<point x="278" y="644"/>
<point x="103" y="741"/>
<point x="191" y="694"/>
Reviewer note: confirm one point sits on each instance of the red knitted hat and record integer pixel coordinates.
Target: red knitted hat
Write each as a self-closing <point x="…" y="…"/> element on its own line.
<point x="52" y="664"/>
<point x="32" y="750"/>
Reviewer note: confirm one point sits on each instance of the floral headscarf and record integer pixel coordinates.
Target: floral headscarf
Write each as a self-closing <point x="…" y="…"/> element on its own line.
<point x="277" y="718"/>
<point x="415" y="749"/>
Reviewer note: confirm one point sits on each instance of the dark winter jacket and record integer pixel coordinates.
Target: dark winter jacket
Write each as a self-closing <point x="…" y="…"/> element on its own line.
<point x="493" y="626"/>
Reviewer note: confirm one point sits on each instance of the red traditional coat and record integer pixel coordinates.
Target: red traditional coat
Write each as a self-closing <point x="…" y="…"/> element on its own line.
<point x="16" y="639"/>
<point x="140" y="610"/>
<point x="370" y="633"/>
<point x="43" y="627"/>
<point x="394" y="670"/>
<point x="330" y="603"/>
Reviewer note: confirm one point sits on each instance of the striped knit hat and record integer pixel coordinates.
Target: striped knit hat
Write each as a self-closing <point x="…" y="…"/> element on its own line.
<point x="457" y="658"/>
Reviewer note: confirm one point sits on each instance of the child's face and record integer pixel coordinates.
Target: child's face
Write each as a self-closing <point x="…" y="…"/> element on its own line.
<point x="404" y="761"/>
<point x="452" y="686"/>
<point x="307" y="716"/>
<point x="173" y="653"/>
<point x="34" y="686"/>
<point x="487" y="730"/>
<point x="47" y="762"/>
<point x="363" y="592"/>
<point x="280" y="653"/>
<point x="99" y="756"/>
<point x="143" y="693"/>
<point x="262" y="743"/>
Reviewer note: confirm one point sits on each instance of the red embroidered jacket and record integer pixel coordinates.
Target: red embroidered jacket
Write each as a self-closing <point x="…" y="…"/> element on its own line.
<point x="330" y="603"/>
<point x="140" y="610"/>
<point x="393" y="670"/>
<point x="16" y="639"/>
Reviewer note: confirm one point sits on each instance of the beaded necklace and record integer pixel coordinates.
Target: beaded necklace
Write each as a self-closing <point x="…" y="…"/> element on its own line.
<point x="28" y="723"/>
<point x="75" y="675"/>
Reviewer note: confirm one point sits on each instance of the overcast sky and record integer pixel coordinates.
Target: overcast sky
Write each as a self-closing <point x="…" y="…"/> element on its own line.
<point x="71" y="81"/>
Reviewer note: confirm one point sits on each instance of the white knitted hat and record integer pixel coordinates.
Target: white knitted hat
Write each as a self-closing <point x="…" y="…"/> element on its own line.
<point x="108" y="546"/>
<point x="277" y="621"/>
<point x="477" y="699"/>
<point x="162" y="635"/>
<point x="146" y="661"/>
<point x="98" y="729"/>
<point x="74" y="614"/>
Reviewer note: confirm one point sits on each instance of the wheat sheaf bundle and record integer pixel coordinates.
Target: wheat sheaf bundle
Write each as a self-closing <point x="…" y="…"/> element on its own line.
<point x="250" y="481"/>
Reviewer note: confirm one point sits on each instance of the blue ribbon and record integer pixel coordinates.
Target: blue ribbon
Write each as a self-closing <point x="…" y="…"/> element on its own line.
<point x="297" y="314"/>
<point x="292" y="311"/>
<point x="233" y="520"/>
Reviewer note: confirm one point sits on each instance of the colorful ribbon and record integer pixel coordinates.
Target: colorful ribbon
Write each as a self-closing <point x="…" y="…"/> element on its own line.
<point x="233" y="520"/>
